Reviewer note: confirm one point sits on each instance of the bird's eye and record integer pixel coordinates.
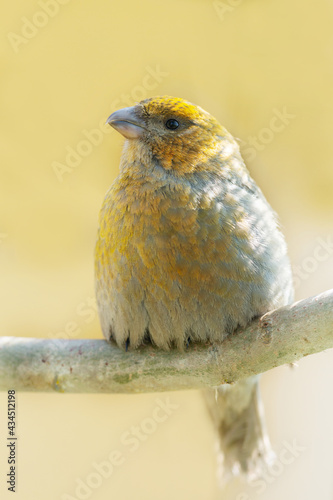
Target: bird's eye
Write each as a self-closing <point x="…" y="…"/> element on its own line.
<point x="172" y="124"/>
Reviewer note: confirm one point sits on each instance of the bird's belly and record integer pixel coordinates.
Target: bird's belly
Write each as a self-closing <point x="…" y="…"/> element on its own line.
<point x="175" y="284"/>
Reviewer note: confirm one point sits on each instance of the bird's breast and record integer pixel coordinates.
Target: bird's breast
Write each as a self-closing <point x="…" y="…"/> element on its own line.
<point x="171" y="235"/>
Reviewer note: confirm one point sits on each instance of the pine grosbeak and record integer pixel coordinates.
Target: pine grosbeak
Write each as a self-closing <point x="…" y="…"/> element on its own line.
<point x="188" y="249"/>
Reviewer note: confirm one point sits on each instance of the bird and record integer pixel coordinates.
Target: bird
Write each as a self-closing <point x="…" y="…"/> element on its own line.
<point x="188" y="251"/>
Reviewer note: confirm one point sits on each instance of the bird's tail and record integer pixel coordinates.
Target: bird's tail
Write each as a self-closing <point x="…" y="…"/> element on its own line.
<point x="243" y="443"/>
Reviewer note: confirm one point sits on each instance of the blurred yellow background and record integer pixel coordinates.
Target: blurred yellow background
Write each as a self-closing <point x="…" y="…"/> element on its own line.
<point x="265" y="70"/>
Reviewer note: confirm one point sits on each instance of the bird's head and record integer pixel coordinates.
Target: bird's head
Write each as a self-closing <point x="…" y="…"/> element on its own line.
<point x="178" y="134"/>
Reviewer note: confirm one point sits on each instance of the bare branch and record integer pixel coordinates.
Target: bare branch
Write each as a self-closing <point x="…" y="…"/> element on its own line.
<point x="281" y="336"/>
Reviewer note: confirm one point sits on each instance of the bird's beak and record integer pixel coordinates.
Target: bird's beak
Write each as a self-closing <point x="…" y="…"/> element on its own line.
<point x="128" y="122"/>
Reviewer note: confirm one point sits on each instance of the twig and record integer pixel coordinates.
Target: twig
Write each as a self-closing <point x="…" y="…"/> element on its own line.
<point x="96" y="366"/>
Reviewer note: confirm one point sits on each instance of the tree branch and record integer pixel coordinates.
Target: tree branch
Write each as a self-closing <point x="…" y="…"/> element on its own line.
<point x="280" y="336"/>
